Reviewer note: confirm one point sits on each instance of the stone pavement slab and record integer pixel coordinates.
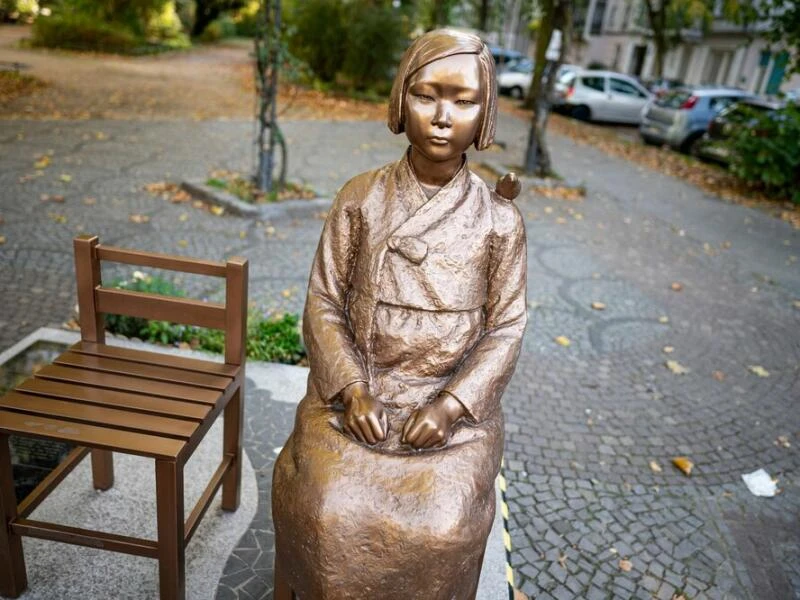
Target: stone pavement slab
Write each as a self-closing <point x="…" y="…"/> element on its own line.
<point x="584" y="421"/>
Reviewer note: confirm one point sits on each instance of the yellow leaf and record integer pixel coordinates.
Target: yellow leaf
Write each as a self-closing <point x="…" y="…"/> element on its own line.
<point x="684" y="464"/>
<point x="598" y="306"/>
<point x="242" y="235"/>
<point x="139" y="218"/>
<point x="286" y="293"/>
<point x="548" y="209"/>
<point x="183" y="218"/>
<point x="668" y="349"/>
<point x="655" y="467"/>
<point x="217" y="210"/>
<point x="183" y="243"/>
<point x="563" y="340"/>
<point x="270" y="230"/>
<point x="65" y="178"/>
<point x="100" y="136"/>
<point x="42" y="163"/>
<point x="759" y="370"/>
<point x="677" y="286"/>
<point x="625" y="565"/>
<point x="2" y="240"/>
<point x="676" y="367"/>
<point x="663" y="320"/>
<point x="60" y="219"/>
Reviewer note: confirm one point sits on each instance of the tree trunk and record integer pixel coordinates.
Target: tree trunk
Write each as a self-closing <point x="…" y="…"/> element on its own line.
<point x="204" y="16"/>
<point x="483" y="16"/>
<point x="268" y="60"/>
<point x="658" y="25"/>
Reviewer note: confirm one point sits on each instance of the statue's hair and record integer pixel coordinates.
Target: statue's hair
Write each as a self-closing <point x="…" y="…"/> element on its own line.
<point x="435" y="45"/>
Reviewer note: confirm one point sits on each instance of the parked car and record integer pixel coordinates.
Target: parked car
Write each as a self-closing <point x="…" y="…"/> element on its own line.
<point x="714" y="145"/>
<point x="680" y="118"/>
<point x="515" y="80"/>
<point x="503" y="58"/>
<point x="600" y="96"/>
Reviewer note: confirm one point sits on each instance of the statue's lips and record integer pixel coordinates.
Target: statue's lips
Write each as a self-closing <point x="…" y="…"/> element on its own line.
<point x="439" y="141"/>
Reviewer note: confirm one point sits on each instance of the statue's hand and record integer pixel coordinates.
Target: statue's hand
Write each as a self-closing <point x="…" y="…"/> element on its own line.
<point x="430" y="425"/>
<point x="364" y="417"/>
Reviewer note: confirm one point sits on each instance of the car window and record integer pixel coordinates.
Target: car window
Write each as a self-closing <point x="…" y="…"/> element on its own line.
<point x="623" y="87"/>
<point x="596" y="83"/>
<point x="674" y="99"/>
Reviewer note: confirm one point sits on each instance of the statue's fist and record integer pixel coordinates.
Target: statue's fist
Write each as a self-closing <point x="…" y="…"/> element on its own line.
<point x="508" y="186"/>
<point x="430" y="425"/>
<point x="364" y="417"/>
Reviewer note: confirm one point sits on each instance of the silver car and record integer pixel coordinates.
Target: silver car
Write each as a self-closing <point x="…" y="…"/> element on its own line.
<point x="680" y="117"/>
<point x="601" y="96"/>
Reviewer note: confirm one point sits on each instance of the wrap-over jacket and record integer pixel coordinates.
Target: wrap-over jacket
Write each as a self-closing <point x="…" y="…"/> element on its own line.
<point x="412" y="296"/>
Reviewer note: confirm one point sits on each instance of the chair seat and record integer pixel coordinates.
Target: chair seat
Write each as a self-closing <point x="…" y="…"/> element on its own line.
<point x="119" y="399"/>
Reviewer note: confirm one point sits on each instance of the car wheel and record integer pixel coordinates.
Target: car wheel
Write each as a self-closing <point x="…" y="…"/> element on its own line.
<point x="648" y="141"/>
<point x="689" y="144"/>
<point x="582" y="113"/>
<point x="515" y="92"/>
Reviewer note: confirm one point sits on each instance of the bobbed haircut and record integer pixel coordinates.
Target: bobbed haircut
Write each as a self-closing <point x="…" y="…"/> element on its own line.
<point x="435" y="45"/>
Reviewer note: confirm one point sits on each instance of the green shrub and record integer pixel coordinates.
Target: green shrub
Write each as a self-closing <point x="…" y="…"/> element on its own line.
<point x="273" y="339"/>
<point x="375" y="35"/>
<point x="224" y="27"/>
<point x="319" y="36"/>
<point x="765" y="150"/>
<point x="78" y="31"/>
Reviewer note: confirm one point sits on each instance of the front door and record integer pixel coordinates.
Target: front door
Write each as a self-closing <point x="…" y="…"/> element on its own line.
<point x="625" y="101"/>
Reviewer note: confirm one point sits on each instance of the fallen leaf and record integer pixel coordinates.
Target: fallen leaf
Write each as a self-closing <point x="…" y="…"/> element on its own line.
<point x="796" y="303"/>
<point x="718" y="375"/>
<point x="759" y="370"/>
<point x="625" y="565"/>
<point x="65" y="178"/>
<point x="197" y="204"/>
<point x="598" y="306"/>
<point x="184" y="217"/>
<point x="562" y="560"/>
<point x="676" y="367"/>
<point x="548" y="209"/>
<point x="676" y="287"/>
<point x="136" y="218"/>
<point x="183" y="243"/>
<point x="217" y="210"/>
<point x="783" y="441"/>
<point x="677" y="596"/>
<point x="101" y="136"/>
<point x="663" y="320"/>
<point x="560" y="220"/>
<point x="684" y="464"/>
<point x="655" y="467"/>
<point x="242" y="235"/>
<point x="90" y="201"/>
<point x="42" y="162"/>
<point x="520" y="595"/>
<point x="668" y="349"/>
<point x="60" y="219"/>
<point x="181" y="196"/>
<point x="2" y="240"/>
<point x="563" y="340"/>
<point x="52" y="198"/>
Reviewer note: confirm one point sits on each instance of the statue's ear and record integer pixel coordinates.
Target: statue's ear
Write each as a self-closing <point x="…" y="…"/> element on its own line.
<point x="508" y="186"/>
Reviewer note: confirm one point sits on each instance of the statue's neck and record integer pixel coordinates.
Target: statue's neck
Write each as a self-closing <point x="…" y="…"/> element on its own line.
<point x="433" y="174"/>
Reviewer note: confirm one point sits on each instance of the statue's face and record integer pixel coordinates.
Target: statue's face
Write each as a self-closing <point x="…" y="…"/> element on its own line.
<point x="443" y="107"/>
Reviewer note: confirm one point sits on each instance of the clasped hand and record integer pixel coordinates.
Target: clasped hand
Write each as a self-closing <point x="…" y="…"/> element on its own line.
<point x="427" y="427"/>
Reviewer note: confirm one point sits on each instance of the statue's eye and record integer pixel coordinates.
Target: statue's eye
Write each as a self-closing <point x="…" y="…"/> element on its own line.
<point x="465" y="102"/>
<point x="424" y="97"/>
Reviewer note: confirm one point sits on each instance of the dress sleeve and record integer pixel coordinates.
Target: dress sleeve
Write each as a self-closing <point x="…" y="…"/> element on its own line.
<point x="334" y="359"/>
<point x="480" y="379"/>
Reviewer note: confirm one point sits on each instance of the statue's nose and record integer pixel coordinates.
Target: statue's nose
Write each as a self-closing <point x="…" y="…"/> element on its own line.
<point x="442" y="117"/>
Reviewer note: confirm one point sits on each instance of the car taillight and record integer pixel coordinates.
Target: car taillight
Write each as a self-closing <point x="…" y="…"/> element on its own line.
<point x="570" y="91"/>
<point x="689" y="103"/>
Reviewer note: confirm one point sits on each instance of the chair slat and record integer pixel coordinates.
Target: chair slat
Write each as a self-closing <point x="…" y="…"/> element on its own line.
<point x="122" y="367"/>
<point x="16" y="423"/>
<point x="161" y="261"/>
<point x="156" y="358"/>
<point x="97" y="415"/>
<point x="113" y="399"/>
<point x="160" y="308"/>
<point x="124" y="383"/>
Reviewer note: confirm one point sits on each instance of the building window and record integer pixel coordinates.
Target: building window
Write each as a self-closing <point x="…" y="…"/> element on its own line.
<point x="597" y="17"/>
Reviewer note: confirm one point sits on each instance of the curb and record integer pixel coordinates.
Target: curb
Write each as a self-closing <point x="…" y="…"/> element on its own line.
<point x="234" y="205"/>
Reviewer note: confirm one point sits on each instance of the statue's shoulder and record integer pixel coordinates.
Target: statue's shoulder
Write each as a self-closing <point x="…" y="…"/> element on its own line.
<point x="355" y="191"/>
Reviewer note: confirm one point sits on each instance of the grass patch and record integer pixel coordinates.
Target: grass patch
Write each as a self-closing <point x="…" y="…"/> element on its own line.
<point x="14" y="84"/>
<point x="269" y="338"/>
<point x="243" y="188"/>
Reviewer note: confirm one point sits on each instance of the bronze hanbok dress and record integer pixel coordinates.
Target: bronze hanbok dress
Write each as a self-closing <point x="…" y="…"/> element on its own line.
<point x="413" y="296"/>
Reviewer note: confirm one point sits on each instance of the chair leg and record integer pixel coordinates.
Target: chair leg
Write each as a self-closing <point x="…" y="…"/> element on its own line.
<point x="232" y="446"/>
<point x="13" y="578"/>
<point x="171" y="547"/>
<point x="282" y="591"/>
<point x="102" y="469"/>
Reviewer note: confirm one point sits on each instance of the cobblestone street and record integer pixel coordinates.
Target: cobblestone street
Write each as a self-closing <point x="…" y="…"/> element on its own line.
<point x="597" y="508"/>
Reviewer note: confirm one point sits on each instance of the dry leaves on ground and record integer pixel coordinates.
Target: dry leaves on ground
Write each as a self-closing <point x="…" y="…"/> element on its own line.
<point x="562" y="340"/>
<point x="783" y="441"/>
<point x="625" y="565"/>
<point x="709" y="178"/>
<point x="758" y="370"/>
<point x="684" y="464"/>
<point x="139" y="219"/>
<point x="14" y="85"/>
<point x="676" y="367"/>
<point x="598" y="306"/>
<point x="655" y="467"/>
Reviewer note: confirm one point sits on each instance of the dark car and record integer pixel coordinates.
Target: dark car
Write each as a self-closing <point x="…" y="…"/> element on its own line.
<point x="714" y="145"/>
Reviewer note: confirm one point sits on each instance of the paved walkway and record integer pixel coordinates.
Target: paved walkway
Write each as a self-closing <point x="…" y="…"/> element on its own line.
<point x="585" y="421"/>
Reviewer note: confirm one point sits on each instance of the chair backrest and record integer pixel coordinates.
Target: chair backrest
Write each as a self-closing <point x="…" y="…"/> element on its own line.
<point x="94" y="300"/>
